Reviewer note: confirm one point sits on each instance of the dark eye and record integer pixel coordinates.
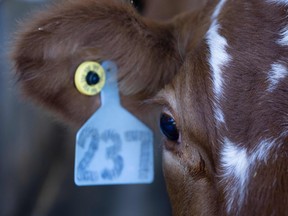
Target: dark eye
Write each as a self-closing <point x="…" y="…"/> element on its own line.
<point x="138" y="4"/>
<point x="168" y="127"/>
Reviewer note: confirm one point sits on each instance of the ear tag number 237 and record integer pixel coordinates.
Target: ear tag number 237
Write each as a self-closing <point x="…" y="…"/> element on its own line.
<point x="113" y="146"/>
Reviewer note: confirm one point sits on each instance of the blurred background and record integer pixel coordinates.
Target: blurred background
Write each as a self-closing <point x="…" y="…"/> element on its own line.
<point x="37" y="152"/>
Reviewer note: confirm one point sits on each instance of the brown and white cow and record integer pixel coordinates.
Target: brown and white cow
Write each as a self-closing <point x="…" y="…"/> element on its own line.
<point x="219" y="73"/>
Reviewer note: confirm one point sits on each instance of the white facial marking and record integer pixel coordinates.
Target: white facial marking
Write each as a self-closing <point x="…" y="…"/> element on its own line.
<point x="275" y="75"/>
<point x="283" y="41"/>
<point x="285" y="2"/>
<point x="218" y="59"/>
<point x="218" y="9"/>
<point x="235" y="163"/>
<point x="263" y="150"/>
<point x="219" y="115"/>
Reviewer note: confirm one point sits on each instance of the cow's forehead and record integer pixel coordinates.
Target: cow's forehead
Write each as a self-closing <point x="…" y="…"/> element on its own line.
<point x="240" y="65"/>
<point x="241" y="55"/>
<point x="247" y="57"/>
<point x="247" y="53"/>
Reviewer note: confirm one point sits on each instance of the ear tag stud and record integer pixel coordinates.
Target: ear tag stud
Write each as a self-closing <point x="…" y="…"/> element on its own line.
<point x="113" y="146"/>
<point x="89" y="78"/>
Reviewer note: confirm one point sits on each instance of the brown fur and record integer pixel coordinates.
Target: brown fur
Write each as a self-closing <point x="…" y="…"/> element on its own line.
<point x="63" y="42"/>
<point x="166" y="63"/>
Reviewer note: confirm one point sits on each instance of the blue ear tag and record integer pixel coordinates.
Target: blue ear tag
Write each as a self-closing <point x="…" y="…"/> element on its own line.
<point x="113" y="146"/>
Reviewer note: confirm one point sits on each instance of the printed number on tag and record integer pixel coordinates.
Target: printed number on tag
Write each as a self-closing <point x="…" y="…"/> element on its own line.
<point x="113" y="146"/>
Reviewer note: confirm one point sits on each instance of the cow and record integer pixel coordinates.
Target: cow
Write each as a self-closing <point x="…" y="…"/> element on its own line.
<point x="219" y="75"/>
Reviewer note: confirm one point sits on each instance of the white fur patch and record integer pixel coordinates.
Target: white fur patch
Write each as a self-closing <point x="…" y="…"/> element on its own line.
<point x="276" y="74"/>
<point x="283" y="41"/>
<point x="284" y="2"/>
<point x="218" y="59"/>
<point x="263" y="150"/>
<point x="219" y="115"/>
<point x="235" y="163"/>
<point x="218" y="9"/>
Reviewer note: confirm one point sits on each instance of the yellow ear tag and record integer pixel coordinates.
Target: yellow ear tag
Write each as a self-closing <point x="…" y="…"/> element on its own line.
<point x="89" y="78"/>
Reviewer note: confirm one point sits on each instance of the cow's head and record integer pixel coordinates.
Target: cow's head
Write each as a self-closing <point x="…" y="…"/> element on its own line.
<point x="218" y="73"/>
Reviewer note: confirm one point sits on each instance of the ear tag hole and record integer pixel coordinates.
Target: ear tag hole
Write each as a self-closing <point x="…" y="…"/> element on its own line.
<point x="92" y="78"/>
<point x="113" y="146"/>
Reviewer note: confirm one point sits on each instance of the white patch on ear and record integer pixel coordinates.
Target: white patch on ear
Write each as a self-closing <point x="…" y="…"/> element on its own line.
<point x="275" y="75"/>
<point x="235" y="164"/>
<point x="218" y="59"/>
<point x="283" y="41"/>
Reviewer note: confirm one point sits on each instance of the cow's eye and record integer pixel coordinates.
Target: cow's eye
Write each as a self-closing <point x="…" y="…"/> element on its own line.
<point x="168" y="127"/>
<point x="138" y="4"/>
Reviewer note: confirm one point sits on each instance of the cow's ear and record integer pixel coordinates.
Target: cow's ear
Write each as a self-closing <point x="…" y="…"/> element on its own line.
<point x="49" y="48"/>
